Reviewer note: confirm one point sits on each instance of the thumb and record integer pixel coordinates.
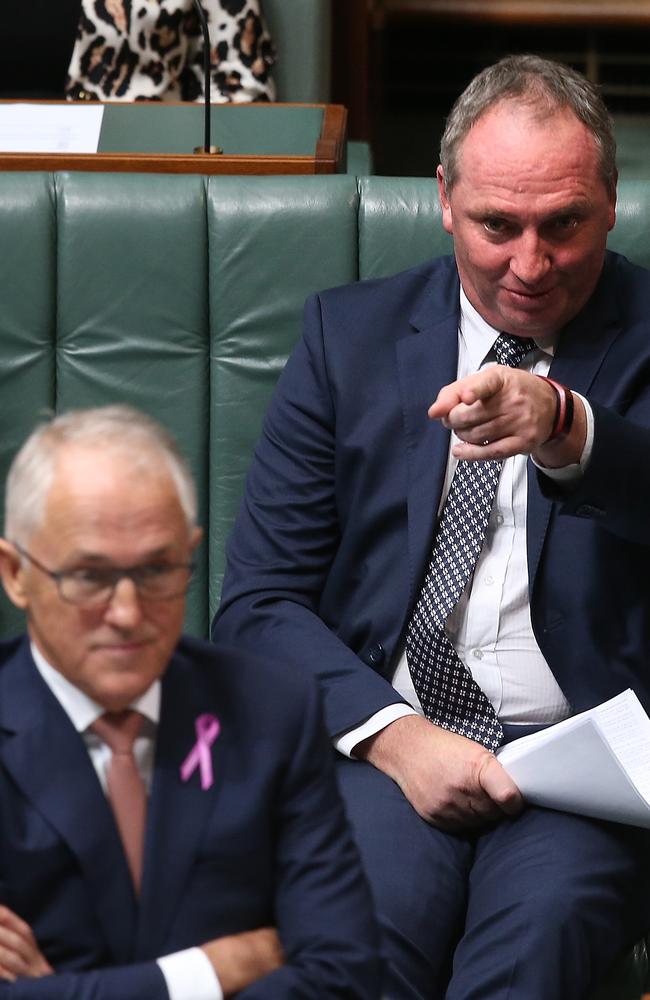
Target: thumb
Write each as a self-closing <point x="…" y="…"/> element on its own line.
<point x="499" y="786"/>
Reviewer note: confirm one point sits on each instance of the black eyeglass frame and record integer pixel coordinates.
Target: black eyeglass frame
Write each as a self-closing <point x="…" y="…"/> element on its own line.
<point x="114" y="575"/>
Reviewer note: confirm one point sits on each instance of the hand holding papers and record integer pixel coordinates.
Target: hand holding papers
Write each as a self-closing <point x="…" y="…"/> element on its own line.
<point x="596" y="763"/>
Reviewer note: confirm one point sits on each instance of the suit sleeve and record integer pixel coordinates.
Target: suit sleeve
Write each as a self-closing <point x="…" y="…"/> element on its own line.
<point x="323" y="908"/>
<point x="142" y="981"/>
<point x="286" y="537"/>
<point x="615" y="491"/>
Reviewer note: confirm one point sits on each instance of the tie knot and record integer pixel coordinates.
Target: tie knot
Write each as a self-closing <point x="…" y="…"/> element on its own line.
<point x="119" y="730"/>
<point x="511" y="350"/>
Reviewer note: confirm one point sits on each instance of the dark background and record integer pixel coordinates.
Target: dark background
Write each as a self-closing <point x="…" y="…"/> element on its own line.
<point x="400" y="72"/>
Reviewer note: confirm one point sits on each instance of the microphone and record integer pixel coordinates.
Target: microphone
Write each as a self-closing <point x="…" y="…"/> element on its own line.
<point x="207" y="82"/>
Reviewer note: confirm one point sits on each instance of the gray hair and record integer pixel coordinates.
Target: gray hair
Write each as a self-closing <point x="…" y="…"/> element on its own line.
<point x="122" y="427"/>
<point x="543" y="85"/>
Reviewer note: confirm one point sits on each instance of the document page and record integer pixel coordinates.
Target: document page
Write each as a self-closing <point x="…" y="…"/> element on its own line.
<point x="50" y="128"/>
<point x="595" y="763"/>
<point x="628" y="731"/>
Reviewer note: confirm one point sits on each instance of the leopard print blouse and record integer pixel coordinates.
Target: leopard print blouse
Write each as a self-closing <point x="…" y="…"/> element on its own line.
<point x="130" y="50"/>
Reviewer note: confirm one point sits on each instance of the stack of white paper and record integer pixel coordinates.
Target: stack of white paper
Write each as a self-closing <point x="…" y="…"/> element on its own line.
<point x="596" y="763"/>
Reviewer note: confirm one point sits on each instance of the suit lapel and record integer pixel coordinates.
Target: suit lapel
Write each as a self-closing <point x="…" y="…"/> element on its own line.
<point x="178" y="810"/>
<point x="427" y="360"/>
<point x="48" y="761"/>
<point x="580" y="353"/>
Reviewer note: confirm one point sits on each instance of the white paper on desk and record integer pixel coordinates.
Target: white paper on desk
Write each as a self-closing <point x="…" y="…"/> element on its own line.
<point x="50" y="128"/>
<point x="596" y="763"/>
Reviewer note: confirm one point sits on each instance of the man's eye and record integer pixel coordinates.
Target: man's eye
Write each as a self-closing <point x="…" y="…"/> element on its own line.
<point x="153" y="571"/>
<point x="89" y="577"/>
<point x="495" y="226"/>
<point x="565" y="223"/>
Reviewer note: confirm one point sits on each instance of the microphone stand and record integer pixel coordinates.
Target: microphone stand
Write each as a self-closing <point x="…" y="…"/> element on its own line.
<point x="207" y="82"/>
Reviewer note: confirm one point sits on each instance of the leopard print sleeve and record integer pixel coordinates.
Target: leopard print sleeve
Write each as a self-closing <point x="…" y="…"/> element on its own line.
<point x="129" y="50"/>
<point x="241" y="57"/>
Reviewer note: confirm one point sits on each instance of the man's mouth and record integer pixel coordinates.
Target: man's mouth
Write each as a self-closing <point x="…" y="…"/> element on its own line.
<point x="538" y="295"/>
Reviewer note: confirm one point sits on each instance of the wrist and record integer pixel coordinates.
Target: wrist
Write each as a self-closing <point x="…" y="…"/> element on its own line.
<point x="385" y="749"/>
<point x="564" y="411"/>
<point x="567" y="450"/>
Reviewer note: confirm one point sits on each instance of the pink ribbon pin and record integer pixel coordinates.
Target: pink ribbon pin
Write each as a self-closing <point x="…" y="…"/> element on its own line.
<point x="207" y="729"/>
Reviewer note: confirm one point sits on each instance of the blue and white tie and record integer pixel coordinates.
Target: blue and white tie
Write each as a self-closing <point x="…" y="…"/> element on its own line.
<point x="449" y="695"/>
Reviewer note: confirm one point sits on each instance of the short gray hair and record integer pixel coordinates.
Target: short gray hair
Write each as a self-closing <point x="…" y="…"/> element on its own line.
<point x="543" y="85"/>
<point x="121" y="427"/>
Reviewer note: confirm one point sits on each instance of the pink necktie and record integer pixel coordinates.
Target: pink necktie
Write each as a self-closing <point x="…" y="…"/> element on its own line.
<point x="126" y="791"/>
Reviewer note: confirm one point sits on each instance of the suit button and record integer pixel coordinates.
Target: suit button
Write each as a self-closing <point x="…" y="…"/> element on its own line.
<point x="376" y="654"/>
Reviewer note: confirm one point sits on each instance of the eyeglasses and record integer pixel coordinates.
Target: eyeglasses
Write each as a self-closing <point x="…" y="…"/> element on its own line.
<point x="93" y="586"/>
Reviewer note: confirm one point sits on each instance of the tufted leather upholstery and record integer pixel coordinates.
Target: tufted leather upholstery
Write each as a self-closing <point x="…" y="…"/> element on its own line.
<point x="183" y="296"/>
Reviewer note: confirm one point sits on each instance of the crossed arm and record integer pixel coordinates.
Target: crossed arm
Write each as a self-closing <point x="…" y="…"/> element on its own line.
<point x="238" y="959"/>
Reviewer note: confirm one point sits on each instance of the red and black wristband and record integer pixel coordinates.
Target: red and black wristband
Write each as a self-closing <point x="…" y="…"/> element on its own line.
<point x="564" y="407"/>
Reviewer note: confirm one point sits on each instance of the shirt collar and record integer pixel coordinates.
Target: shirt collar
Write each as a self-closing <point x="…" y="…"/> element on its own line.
<point x="479" y="336"/>
<point x="82" y="710"/>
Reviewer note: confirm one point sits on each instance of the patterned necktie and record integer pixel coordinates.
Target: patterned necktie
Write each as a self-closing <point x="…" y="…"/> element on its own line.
<point x="449" y="695"/>
<point x="126" y="792"/>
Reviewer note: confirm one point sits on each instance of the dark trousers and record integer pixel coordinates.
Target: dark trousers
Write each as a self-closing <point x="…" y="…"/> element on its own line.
<point x="535" y="908"/>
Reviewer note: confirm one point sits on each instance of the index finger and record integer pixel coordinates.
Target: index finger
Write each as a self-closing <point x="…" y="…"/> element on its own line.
<point x="479" y="385"/>
<point x="11" y="920"/>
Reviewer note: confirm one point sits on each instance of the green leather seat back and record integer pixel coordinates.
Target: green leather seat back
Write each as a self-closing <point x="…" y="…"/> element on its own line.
<point x="107" y="290"/>
<point x="400" y="224"/>
<point x="631" y="234"/>
<point x="183" y="295"/>
<point x="28" y="294"/>
<point x="273" y="241"/>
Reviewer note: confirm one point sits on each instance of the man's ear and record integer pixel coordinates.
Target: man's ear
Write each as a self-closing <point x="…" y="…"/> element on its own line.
<point x="195" y="538"/>
<point x="612" y="204"/>
<point x="13" y="574"/>
<point x="444" y="201"/>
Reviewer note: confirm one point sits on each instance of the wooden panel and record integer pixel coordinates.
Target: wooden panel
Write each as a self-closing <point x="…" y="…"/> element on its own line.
<point x="592" y="13"/>
<point x="331" y="147"/>
<point x="351" y="63"/>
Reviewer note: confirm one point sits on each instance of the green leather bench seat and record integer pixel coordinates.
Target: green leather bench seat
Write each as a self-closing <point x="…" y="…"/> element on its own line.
<point x="183" y="296"/>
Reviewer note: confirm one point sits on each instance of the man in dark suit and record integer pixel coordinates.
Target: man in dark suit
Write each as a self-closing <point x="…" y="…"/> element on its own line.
<point x="449" y="605"/>
<point x="206" y="856"/>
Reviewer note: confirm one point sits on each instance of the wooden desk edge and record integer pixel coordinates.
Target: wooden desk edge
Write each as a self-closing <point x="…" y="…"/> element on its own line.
<point x="509" y="12"/>
<point x="199" y="163"/>
<point x="328" y="158"/>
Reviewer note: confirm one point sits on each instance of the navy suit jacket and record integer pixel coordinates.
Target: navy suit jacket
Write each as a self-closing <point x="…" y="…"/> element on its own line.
<point x="266" y="844"/>
<point x="332" y="540"/>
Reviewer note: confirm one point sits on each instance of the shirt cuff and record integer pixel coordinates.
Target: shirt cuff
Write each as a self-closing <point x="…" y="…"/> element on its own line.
<point x="189" y="976"/>
<point x="569" y="474"/>
<point x="346" y="743"/>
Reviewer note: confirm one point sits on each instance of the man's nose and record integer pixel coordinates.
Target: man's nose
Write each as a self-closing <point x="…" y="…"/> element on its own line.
<point x="124" y="607"/>
<point x="531" y="261"/>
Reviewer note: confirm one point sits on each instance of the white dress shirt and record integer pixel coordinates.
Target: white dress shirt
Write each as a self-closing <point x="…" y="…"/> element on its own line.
<point x="189" y="974"/>
<point x="490" y="627"/>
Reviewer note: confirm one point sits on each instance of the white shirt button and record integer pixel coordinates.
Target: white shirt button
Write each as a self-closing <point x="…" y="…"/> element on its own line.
<point x="477" y="654"/>
<point x="489" y="580"/>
